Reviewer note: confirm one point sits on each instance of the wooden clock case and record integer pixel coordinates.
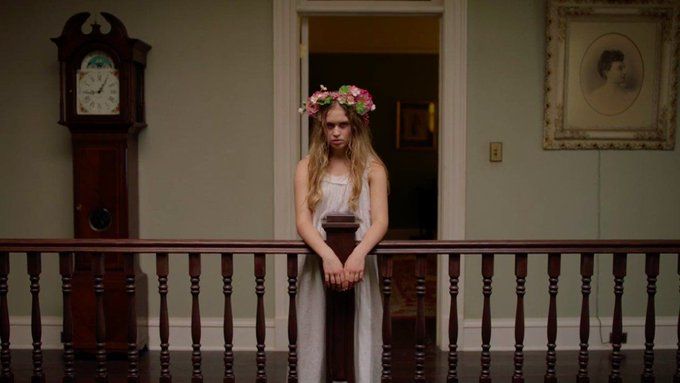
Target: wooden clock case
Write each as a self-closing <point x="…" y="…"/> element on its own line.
<point x="105" y="179"/>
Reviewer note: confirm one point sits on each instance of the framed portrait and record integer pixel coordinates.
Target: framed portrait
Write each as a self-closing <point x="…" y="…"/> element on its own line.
<point x="416" y="125"/>
<point x="611" y="74"/>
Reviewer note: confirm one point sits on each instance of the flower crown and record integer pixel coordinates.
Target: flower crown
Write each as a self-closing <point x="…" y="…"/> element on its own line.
<point x="353" y="96"/>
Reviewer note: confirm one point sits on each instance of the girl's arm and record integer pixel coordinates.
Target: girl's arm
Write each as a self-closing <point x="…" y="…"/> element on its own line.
<point x="332" y="267"/>
<point x="377" y="182"/>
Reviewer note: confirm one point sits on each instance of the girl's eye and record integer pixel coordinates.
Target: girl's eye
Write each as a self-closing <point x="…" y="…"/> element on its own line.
<point x="342" y="125"/>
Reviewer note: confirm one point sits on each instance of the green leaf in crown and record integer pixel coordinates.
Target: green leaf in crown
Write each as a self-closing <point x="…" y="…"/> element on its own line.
<point x="360" y="107"/>
<point x="344" y="89"/>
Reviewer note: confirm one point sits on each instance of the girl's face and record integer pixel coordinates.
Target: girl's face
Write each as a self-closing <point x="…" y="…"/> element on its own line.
<point x="338" y="129"/>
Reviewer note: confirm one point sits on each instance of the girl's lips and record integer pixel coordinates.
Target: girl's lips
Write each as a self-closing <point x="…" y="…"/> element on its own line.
<point x="336" y="142"/>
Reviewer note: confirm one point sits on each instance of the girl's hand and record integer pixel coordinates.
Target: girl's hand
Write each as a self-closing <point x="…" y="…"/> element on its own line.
<point x="354" y="268"/>
<point x="333" y="272"/>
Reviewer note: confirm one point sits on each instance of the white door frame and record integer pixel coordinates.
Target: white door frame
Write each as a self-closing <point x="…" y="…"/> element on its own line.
<point x="452" y="135"/>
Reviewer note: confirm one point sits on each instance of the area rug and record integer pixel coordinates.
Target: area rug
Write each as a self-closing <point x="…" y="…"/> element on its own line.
<point x="403" y="302"/>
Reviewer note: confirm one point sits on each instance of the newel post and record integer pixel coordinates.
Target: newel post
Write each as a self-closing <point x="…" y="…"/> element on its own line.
<point x="340" y="236"/>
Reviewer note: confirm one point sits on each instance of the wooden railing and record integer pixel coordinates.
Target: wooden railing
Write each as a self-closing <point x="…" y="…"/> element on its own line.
<point x="35" y="250"/>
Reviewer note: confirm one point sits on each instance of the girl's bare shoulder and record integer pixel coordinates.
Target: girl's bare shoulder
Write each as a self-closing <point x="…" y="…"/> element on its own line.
<point x="376" y="168"/>
<point x="302" y="165"/>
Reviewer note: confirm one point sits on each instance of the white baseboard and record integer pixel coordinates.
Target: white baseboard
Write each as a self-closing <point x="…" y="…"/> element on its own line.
<point x="502" y="334"/>
<point x="212" y="336"/>
<point x="535" y="334"/>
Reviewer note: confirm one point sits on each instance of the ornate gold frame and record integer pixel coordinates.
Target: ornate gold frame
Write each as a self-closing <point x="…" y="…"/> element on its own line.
<point x="603" y="131"/>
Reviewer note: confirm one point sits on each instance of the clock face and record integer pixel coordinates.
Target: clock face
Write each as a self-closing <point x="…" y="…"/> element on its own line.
<point x="98" y="92"/>
<point x="97" y="85"/>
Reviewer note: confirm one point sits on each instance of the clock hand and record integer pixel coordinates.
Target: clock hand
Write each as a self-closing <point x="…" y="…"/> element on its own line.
<point x="102" y="87"/>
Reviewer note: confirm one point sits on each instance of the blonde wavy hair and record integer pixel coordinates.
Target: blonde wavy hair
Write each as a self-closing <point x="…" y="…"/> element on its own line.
<point x="359" y="153"/>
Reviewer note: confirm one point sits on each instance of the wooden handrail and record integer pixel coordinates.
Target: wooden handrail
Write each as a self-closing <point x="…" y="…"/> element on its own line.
<point x="35" y="249"/>
<point x="144" y="246"/>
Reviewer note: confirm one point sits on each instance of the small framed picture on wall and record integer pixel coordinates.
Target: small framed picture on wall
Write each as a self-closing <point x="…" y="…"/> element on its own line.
<point x="416" y="125"/>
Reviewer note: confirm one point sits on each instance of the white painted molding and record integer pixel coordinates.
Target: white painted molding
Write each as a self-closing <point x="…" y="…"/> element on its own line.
<point x="286" y="147"/>
<point x="370" y="7"/>
<point x="453" y="123"/>
<point x="452" y="152"/>
<point x="535" y="334"/>
<point x="212" y="335"/>
<point x="502" y="334"/>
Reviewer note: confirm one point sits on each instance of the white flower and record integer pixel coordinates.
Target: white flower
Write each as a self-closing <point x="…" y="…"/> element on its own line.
<point x="323" y="87"/>
<point x="373" y="107"/>
<point x="355" y="91"/>
<point x="301" y="110"/>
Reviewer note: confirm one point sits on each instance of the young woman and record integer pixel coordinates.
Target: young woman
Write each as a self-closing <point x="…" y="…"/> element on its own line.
<point x="341" y="174"/>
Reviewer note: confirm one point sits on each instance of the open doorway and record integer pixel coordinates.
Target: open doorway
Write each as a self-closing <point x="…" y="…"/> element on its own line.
<point x="397" y="59"/>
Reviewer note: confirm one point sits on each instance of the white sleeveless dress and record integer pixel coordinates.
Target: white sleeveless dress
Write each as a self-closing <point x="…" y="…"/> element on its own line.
<point x="311" y="305"/>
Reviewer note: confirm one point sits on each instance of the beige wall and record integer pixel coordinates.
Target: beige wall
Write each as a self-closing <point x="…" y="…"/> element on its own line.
<point x="205" y="160"/>
<point x="538" y="194"/>
<point x="206" y="157"/>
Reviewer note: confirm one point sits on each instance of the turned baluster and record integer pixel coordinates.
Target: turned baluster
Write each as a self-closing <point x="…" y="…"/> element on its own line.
<point x="487" y="275"/>
<point x="617" y="325"/>
<point x="133" y="354"/>
<point x="34" y="269"/>
<point x="6" y="375"/>
<point x="100" y="324"/>
<point x="228" y="318"/>
<point x="551" y="355"/>
<point x="195" y="275"/>
<point x="584" y="326"/>
<point x="162" y="269"/>
<point x="520" y="290"/>
<point x="260" y="358"/>
<point x="421" y="271"/>
<point x="386" y="271"/>
<point x="66" y="271"/>
<point x="292" y="260"/>
<point x="676" y="376"/>
<point x="454" y="274"/>
<point x="652" y="271"/>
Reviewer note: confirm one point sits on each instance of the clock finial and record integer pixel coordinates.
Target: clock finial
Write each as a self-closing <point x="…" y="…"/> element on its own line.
<point x="96" y="27"/>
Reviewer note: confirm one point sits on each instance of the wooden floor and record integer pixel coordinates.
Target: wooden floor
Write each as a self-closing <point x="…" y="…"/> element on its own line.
<point x="501" y="366"/>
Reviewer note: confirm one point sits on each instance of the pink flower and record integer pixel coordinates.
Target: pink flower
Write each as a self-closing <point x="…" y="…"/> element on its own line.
<point x="312" y="108"/>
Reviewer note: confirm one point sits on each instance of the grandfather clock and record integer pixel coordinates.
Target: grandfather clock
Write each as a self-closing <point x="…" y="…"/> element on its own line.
<point x="102" y="104"/>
